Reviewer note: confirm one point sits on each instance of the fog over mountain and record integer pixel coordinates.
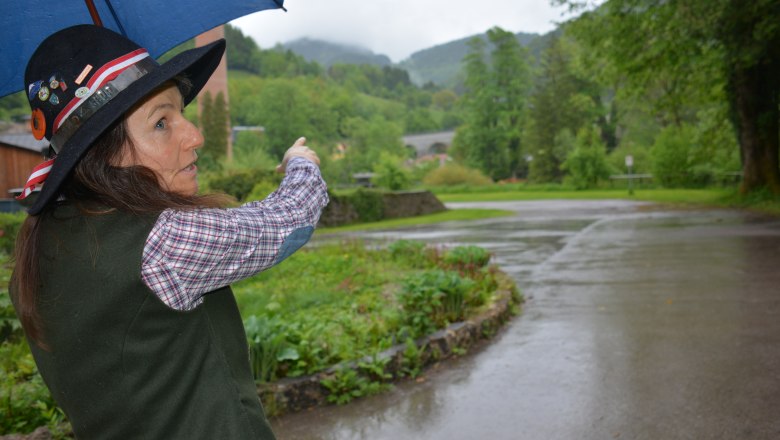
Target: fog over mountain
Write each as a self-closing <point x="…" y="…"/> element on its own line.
<point x="440" y="64"/>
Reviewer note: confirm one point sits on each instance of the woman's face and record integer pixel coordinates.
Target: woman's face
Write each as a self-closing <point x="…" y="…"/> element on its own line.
<point x="165" y="141"/>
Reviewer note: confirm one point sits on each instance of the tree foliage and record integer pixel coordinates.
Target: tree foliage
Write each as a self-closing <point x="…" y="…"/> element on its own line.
<point x="244" y="54"/>
<point x="214" y="126"/>
<point x="493" y="104"/>
<point x="562" y="102"/>
<point x="587" y="163"/>
<point x="679" y="52"/>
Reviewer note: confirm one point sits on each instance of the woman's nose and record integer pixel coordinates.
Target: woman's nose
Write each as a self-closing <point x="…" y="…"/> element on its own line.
<point x="193" y="138"/>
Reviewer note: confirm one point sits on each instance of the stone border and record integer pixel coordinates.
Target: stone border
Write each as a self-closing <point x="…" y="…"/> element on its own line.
<point x="295" y="394"/>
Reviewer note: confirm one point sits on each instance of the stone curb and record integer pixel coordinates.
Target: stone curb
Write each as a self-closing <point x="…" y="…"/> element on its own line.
<point x="299" y="393"/>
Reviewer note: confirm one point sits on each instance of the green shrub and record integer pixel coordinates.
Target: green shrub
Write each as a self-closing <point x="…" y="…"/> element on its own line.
<point x="414" y="253"/>
<point x="390" y="173"/>
<point x="672" y="156"/>
<point x="9" y="227"/>
<point x="10" y="327"/>
<point x="261" y="190"/>
<point x="433" y="299"/>
<point x="587" y="163"/>
<point x="25" y="402"/>
<point x="454" y="174"/>
<point x="343" y="302"/>
<point x="466" y="258"/>
<point x="346" y="384"/>
<point x="238" y="183"/>
<point x="368" y="204"/>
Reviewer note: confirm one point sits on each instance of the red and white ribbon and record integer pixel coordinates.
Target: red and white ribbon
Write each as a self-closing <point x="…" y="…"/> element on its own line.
<point x="38" y="176"/>
<point x="106" y="73"/>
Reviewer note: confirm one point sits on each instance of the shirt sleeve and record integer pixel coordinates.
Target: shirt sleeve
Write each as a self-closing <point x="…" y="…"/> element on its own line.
<point x="190" y="253"/>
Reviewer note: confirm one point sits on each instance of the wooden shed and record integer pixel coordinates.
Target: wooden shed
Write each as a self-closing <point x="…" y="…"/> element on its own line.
<point x="19" y="154"/>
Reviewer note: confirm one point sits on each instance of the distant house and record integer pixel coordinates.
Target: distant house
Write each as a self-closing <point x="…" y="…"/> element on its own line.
<point x="19" y="154"/>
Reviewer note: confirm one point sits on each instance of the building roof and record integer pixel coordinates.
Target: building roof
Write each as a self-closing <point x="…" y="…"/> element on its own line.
<point x="25" y="141"/>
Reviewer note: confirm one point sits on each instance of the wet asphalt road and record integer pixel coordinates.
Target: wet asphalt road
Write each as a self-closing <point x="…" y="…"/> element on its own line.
<point x="639" y="324"/>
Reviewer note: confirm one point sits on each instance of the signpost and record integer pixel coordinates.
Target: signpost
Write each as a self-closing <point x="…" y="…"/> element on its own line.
<point x="629" y="165"/>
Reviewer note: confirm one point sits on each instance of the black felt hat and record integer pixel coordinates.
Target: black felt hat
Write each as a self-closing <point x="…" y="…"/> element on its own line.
<point x="82" y="79"/>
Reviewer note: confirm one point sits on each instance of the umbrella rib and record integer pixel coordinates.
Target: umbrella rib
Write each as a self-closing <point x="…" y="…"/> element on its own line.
<point x="278" y="3"/>
<point x="94" y="13"/>
<point x="116" y="18"/>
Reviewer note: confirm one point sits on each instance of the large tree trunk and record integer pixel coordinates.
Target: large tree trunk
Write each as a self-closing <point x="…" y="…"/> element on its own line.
<point x="754" y="99"/>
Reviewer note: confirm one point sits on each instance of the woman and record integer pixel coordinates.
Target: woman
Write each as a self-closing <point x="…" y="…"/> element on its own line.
<point x="122" y="271"/>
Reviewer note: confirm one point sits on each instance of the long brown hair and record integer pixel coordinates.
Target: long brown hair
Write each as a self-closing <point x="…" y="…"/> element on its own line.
<point x="96" y="181"/>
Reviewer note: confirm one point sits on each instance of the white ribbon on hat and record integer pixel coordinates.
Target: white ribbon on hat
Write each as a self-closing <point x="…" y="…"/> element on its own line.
<point x="105" y="84"/>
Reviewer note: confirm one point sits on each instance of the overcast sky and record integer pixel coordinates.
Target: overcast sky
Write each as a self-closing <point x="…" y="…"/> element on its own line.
<point x="396" y="28"/>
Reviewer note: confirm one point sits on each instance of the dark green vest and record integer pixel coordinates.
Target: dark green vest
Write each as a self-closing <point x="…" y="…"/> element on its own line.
<point x="122" y="364"/>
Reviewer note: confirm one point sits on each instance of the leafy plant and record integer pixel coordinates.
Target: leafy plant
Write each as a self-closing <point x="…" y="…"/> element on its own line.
<point x="432" y="299"/>
<point x="237" y="183"/>
<point x="414" y="253"/>
<point x="411" y="362"/>
<point x="466" y="258"/>
<point x="346" y="384"/>
<point x="25" y="402"/>
<point x="267" y="347"/>
<point x="9" y="227"/>
<point x="376" y="368"/>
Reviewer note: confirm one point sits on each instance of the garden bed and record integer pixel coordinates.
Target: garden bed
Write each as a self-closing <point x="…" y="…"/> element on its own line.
<point x="357" y="319"/>
<point x="397" y="362"/>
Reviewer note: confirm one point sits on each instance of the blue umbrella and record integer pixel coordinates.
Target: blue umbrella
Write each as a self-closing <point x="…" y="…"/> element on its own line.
<point x="156" y="25"/>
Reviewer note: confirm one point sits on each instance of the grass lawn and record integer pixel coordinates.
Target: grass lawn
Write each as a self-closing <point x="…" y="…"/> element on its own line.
<point x="706" y="196"/>
<point x="713" y="197"/>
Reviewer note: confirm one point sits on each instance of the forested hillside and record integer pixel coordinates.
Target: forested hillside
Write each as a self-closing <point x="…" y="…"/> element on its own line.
<point x="442" y="64"/>
<point x="691" y="108"/>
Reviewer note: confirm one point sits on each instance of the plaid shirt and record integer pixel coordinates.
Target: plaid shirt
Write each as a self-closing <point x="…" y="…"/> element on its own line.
<point x="190" y="253"/>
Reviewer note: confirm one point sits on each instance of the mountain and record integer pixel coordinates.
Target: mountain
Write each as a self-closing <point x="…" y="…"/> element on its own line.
<point x="327" y="53"/>
<point x="442" y="64"/>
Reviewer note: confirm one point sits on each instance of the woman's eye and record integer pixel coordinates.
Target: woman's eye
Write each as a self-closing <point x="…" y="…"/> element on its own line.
<point x="161" y="124"/>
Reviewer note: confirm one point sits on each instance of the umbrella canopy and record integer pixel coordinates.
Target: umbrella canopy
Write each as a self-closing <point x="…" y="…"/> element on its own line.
<point x="156" y="25"/>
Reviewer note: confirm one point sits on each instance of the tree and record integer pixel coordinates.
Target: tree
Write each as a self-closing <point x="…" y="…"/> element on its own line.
<point x="511" y="80"/>
<point x="14" y="106"/>
<point x="561" y="103"/>
<point x="478" y="142"/>
<point x="705" y="43"/>
<point x="214" y="126"/>
<point x="368" y="139"/>
<point x="281" y="107"/>
<point x="493" y="106"/>
<point x="242" y="51"/>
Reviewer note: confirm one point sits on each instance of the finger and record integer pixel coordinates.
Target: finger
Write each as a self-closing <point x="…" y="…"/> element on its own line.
<point x="300" y="142"/>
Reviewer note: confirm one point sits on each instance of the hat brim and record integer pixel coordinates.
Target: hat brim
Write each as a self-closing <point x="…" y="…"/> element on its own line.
<point x="196" y="65"/>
